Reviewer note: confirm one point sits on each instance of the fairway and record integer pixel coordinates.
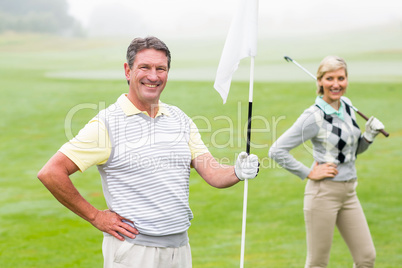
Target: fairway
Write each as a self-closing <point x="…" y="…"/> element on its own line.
<point x="51" y="86"/>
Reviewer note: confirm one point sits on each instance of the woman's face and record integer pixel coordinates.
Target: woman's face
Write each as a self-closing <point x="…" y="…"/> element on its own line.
<point x="334" y="84"/>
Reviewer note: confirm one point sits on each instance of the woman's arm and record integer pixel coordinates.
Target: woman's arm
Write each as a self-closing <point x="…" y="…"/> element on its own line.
<point x="301" y="131"/>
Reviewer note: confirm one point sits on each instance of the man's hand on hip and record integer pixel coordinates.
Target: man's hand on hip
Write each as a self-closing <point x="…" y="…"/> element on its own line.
<point x="112" y="223"/>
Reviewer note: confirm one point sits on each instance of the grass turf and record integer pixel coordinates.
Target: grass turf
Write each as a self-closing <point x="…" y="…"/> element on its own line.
<point x="36" y="231"/>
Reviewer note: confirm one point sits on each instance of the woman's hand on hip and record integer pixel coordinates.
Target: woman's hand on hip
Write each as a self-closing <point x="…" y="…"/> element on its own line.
<point x="321" y="171"/>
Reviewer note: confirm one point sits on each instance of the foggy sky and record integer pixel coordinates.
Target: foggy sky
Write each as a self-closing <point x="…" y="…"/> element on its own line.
<point x="213" y="17"/>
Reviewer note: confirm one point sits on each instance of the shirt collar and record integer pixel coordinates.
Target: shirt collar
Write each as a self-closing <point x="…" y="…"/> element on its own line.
<point x="328" y="109"/>
<point x="129" y="108"/>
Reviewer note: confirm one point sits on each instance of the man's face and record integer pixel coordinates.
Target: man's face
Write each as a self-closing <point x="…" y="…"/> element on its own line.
<point x="147" y="76"/>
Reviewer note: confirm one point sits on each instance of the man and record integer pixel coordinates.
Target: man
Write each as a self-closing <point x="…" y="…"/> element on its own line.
<point x="143" y="149"/>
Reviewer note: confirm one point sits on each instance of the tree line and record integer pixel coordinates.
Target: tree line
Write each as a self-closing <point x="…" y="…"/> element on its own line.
<point x="46" y="16"/>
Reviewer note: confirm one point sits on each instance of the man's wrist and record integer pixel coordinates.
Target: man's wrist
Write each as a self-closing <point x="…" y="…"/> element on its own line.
<point x="237" y="175"/>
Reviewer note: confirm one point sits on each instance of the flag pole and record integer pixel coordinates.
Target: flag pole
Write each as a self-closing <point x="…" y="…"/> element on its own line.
<point x="241" y="42"/>
<point x="245" y="196"/>
<point x="250" y="103"/>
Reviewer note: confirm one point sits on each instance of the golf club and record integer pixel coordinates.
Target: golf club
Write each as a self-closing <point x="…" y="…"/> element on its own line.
<point x="386" y="134"/>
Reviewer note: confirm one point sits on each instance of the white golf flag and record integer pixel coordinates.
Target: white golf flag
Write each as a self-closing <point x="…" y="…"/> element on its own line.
<point x="241" y="42"/>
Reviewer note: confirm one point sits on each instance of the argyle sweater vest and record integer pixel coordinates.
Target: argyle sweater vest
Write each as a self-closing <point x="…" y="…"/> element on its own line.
<point x="333" y="140"/>
<point x="341" y="135"/>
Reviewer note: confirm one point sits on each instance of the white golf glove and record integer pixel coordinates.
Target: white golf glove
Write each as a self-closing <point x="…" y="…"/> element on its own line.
<point x="247" y="166"/>
<point x="373" y="127"/>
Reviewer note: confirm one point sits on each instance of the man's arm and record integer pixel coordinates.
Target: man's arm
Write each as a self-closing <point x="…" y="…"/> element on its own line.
<point x="55" y="176"/>
<point x="223" y="176"/>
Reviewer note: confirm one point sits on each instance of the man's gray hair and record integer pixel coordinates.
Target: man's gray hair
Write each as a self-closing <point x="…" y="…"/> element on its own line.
<point x="149" y="42"/>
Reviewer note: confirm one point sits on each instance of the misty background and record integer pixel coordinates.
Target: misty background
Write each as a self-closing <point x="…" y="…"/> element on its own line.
<point x="195" y="32"/>
<point x="211" y="18"/>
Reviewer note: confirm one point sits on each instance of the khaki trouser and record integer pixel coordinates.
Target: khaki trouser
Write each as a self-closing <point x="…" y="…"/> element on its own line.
<point x="123" y="254"/>
<point x="326" y="204"/>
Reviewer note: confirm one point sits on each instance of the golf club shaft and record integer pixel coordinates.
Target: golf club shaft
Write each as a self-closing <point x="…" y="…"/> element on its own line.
<point x="386" y="134"/>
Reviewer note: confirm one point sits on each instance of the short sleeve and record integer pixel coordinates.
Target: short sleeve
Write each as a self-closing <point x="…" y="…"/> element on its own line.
<point x="90" y="147"/>
<point x="197" y="146"/>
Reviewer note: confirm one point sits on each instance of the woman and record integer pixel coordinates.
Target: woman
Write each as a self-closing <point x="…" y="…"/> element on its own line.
<point x="330" y="198"/>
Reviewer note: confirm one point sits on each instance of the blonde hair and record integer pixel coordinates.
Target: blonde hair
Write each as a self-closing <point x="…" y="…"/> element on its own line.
<point x="330" y="64"/>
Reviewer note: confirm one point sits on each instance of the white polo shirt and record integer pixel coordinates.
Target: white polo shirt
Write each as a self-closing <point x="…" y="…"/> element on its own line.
<point x="92" y="144"/>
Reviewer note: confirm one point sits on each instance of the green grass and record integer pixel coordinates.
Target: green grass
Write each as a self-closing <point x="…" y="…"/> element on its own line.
<point x="36" y="231"/>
